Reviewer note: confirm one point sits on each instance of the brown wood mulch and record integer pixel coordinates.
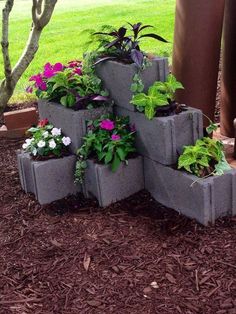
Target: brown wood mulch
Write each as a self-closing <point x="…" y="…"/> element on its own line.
<point x="136" y="256"/>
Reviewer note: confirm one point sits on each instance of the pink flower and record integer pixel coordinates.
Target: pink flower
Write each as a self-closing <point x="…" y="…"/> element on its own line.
<point x="77" y="71"/>
<point x="29" y="89"/>
<point x="50" y="70"/>
<point x="115" y="137"/>
<point x="39" y="83"/>
<point x="42" y="123"/>
<point x="74" y="64"/>
<point x="107" y="125"/>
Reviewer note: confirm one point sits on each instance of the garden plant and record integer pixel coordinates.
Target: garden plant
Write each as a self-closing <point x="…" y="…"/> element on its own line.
<point x="110" y="141"/>
<point x="159" y="100"/>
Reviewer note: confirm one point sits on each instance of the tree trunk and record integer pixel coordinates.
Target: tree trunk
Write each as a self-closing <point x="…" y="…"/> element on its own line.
<point x="6" y="91"/>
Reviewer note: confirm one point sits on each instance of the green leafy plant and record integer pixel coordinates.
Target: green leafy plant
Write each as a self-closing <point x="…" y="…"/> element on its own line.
<point x="160" y="94"/>
<point x="110" y="140"/>
<point x="123" y="44"/>
<point x="74" y="85"/>
<point x="46" y="141"/>
<point x="204" y="158"/>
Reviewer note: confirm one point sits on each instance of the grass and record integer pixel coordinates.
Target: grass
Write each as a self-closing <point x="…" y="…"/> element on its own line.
<point x="64" y="38"/>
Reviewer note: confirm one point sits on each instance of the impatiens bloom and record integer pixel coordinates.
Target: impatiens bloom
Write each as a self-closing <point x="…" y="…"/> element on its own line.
<point x="38" y="79"/>
<point x="42" y="123"/>
<point x="74" y="64"/>
<point x="45" y="134"/>
<point x="107" y="124"/>
<point x="115" y="137"/>
<point x="41" y="144"/>
<point x="56" y="131"/>
<point x="50" y="70"/>
<point x="66" y="141"/>
<point x="27" y="143"/>
<point x="52" y="144"/>
<point x="78" y="71"/>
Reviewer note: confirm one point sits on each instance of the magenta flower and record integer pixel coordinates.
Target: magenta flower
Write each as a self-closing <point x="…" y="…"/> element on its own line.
<point x="50" y="70"/>
<point x="74" y="64"/>
<point x="77" y="71"/>
<point x="115" y="137"/>
<point x="39" y="83"/>
<point x="43" y="86"/>
<point x="107" y="125"/>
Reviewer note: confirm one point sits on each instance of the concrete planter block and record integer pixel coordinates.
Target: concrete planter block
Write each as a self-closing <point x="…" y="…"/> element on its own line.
<point x="109" y="187"/>
<point x="162" y="139"/>
<point x="206" y="200"/>
<point x="117" y="78"/>
<point x="72" y="123"/>
<point x="49" y="180"/>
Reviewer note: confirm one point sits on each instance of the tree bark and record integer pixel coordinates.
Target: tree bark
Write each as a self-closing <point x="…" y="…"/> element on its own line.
<point x="41" y="15"/>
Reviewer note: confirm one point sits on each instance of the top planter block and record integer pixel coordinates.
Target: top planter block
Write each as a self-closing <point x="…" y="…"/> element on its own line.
<point x="117" y="78"/>
<point x="72" y="123"/>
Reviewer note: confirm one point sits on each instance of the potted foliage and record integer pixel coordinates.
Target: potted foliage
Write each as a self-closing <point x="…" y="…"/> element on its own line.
<point x="163" y="126"/>
<point x="202" y="186"/>
<point x="68" y="96"/>
<point x="123" y="67"/>
<point x="107" y="164"/>
<point x="45" y="165"/>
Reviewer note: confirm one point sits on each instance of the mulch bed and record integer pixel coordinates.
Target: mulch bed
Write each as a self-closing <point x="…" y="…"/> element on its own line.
<point x="72" y="257"/>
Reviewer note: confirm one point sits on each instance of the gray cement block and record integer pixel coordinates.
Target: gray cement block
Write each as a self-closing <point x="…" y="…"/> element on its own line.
<point x="49" y="180"/>
<point x="109" y="187"/>
<point x="206" y="200"/>
<point x="73" y="123"/>
<point x="117" y="78"/>
<point x="162" y="139"/>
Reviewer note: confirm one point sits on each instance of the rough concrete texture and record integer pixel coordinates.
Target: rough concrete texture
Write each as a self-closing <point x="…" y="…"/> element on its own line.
<point x="72" y="123"/>
<point x="25" y="172"/>
<point x="49" y="180"/>
<point x="109" y="187"/>
<point x="117" y="78"/>
<point x="205" y="200"/>
<point x="162" y="139"/>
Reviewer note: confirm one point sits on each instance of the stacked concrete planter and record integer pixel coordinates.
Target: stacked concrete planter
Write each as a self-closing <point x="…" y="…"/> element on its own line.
<point x="117" y="78"/>
<point x="72" y="123"/>
<point x="109" y="187"/>
<point x="48" y="180"/>
<point x="162" y="139"/>
<point x="203" y="199"/>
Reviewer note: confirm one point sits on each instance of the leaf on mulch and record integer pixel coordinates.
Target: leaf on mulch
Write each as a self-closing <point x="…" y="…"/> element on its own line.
<point x="170" y="278"/>
<point x="94" y="303"/>
<point x="87" y="261"/>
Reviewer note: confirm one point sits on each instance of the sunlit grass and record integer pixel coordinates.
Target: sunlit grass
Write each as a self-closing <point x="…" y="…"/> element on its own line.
<point x="64" y="39"/>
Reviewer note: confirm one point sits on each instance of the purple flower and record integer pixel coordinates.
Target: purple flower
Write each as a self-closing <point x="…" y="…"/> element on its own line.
<point x="39" y="83"/>
<point x="115" y="137"/>
<point x="107" y="125"/>
<point x="74" y="64"/>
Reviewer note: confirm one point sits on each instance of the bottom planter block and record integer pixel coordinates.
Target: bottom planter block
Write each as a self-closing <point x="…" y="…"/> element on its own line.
<point x="206" y="200"/>
<point x="109" y="187"/>
<point x="49" y="180"/>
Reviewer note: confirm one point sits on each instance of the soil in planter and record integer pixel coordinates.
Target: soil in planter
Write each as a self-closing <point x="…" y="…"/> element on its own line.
<point x="64" y="153"/>
<point x="171" y="109"/>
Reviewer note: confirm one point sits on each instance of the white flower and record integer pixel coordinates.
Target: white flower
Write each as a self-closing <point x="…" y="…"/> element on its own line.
<point x="27" y="143"/>
<point x="66" y="141"/>
<point x="45" y="134"/>
<point x="56" y="131"/>
<point x="41" y="144"/>
<point x="34" y="151"/>
<point x="52" y="144"/>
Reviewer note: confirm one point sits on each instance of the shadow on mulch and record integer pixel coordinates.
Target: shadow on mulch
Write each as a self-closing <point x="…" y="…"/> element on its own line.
<point x="135" y="256"/>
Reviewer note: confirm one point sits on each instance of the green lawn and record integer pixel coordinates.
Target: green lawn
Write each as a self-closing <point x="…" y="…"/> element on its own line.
<point x="62" y="39"/>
